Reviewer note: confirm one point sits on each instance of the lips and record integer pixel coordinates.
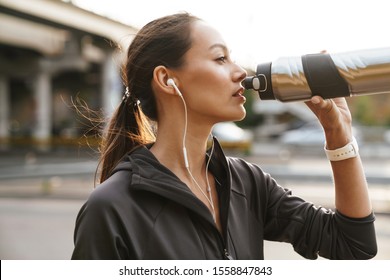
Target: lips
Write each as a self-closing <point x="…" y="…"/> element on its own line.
<point x="239" y="92"/>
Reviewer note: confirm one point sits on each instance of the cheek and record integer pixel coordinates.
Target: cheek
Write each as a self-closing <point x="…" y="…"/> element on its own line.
<point x="205" y="82"/>
<point x="210" y="85"/>
<point x="206" y="73"/>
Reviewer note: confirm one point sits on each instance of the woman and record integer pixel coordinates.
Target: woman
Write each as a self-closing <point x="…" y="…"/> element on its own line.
<point x="164" y="196"/>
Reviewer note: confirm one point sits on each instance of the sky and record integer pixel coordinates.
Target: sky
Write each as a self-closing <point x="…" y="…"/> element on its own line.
<point x="259" y="31"/>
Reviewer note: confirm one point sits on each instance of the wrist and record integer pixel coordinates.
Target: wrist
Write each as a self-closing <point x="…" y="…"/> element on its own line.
<point x="338" y="137"/>
<point x="349" y="150"/>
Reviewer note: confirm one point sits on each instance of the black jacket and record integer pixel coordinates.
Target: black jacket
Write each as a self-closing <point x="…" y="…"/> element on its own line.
<point x="143" y="211"/>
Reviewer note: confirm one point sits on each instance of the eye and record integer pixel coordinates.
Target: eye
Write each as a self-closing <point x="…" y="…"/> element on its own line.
<point x="222" y="59"/>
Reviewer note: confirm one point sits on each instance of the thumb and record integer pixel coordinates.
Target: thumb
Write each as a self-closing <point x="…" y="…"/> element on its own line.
<point x="325" y="105"/>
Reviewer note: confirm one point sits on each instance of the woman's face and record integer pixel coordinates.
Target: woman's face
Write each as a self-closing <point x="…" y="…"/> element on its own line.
<point x="209" y="80"/>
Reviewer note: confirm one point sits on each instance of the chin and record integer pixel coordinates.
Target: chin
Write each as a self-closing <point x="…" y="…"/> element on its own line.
<point x="242" y="115"/>
<point x="237" y="117"/>
<point x="231" y="115"/>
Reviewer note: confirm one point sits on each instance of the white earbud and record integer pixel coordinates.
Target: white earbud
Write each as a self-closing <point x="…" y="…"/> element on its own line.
<point x="171" y="82"/>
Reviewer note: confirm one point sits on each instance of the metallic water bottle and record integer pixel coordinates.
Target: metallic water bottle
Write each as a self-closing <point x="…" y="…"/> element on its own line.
<point x="328" y="75"/>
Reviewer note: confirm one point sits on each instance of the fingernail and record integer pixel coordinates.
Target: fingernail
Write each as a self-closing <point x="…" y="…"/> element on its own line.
<point x="315" y="100"/>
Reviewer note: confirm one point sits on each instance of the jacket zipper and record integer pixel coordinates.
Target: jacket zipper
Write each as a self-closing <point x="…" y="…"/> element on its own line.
<point x="227" y="255"/>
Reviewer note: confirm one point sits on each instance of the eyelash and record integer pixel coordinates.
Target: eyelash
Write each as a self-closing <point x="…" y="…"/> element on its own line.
<point x="222" y="59"/>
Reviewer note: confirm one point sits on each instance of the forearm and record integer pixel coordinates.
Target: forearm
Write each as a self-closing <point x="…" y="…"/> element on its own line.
<point x="351" y="190"/>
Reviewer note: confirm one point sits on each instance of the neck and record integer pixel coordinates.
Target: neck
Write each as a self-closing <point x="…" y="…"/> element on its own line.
<point x="168" y="147"/>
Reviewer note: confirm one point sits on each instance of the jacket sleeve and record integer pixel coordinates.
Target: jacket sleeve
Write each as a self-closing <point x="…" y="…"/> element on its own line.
<point x="314" y="230"/>
<point x="97" y="233"/>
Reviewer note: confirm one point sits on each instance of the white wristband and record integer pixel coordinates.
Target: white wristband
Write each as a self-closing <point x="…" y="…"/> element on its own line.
<point x="350" y="150"/>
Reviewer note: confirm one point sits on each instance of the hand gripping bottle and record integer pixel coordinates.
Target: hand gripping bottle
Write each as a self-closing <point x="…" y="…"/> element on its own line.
<point x="328" y="75"/>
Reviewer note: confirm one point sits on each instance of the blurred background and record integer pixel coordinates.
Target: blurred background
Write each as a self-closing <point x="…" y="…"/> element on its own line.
<point x="54" y="53"/>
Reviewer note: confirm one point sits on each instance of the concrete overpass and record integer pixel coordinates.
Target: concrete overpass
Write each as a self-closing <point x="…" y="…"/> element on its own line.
<point x="51" y="50"/>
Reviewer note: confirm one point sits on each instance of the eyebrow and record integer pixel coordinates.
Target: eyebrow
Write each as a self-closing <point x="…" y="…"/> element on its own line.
<point x="218" y="45"/>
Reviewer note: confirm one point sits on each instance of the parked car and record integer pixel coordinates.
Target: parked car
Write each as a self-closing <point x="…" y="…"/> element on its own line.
<point x="308" y="134"/>
<point x="233" y="137"/>
<point x="308" y="138"/>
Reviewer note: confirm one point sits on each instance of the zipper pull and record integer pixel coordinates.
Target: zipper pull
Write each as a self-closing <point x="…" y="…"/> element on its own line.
<point x="227" y="255"/>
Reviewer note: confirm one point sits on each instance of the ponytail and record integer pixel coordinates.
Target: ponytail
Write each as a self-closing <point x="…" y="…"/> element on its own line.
<point x="127" y="129"/>
<point x="161" y="42"/>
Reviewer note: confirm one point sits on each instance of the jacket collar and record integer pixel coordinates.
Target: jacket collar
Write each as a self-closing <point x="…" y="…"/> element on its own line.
<point x="148" y="174"/>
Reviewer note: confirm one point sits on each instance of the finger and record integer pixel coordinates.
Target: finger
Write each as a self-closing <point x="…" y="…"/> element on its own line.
<point x="325" y="105"/>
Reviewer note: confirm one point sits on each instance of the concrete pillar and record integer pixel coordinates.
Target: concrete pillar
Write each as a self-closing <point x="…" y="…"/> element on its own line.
<point x="5" y="105"/>
<point x="111" y="84"/>
<point x="43" y="99"/>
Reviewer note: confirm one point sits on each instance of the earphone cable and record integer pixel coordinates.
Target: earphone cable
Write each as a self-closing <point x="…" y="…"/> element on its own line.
<point x="209" y="198"/>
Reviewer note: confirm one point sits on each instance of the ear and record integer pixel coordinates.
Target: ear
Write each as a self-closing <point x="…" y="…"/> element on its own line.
<point x="160" y="77"/>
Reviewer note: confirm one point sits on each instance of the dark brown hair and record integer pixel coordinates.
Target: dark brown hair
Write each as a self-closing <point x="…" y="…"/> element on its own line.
<point x="163" y="41"/>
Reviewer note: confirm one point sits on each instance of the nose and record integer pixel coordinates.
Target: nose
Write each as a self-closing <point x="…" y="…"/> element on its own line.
<point x="240" y="73"/>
